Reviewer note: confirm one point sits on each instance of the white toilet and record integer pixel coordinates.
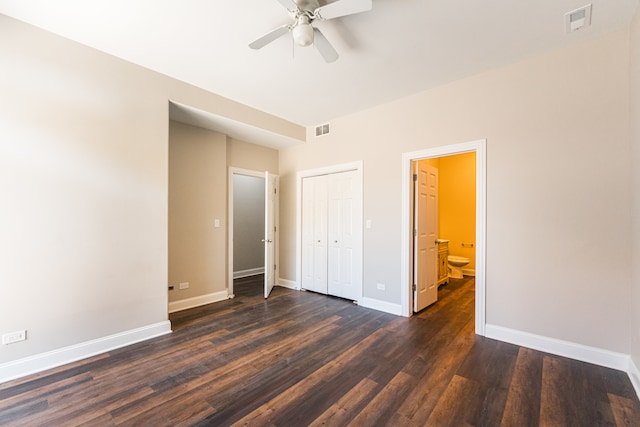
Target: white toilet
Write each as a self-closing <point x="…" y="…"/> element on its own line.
<point x="455" y="266"/>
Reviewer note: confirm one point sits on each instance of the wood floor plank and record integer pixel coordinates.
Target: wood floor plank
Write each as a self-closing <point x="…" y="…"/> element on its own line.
<point x="342" y="411"/>
<point x="18" y="413"/>
<point x="50" y="376"/>
<point x="299" y="358"/>
<point x="439" y="341"/>
<point x="11" y="397"/>
<point x="568" y="398"/>
<point x="625" y="411"/>
<point x="383" y="406"/>
<point x="178" y="412"/>
<point x="419" y="405"/>
<point x="313" y="382"/>
<point x="458" y="404"/>
<point x="523" y="401"/>
<point x="223" y="376"/>
<point x="308" y="359"/>
<point x="45" y="411"/>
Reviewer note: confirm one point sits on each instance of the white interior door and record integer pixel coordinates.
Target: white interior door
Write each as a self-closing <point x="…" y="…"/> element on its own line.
<point x="270" y="231"/>
<point x="314" y="233"/>
<point x="344" y="235"/>
<point x="426" y="232"/>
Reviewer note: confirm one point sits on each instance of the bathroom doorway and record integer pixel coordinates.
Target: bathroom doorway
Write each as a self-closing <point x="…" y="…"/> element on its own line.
<point x="468" y="243"/>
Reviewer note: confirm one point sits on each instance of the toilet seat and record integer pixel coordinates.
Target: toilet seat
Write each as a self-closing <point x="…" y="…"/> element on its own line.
<point x="458" y="259"/>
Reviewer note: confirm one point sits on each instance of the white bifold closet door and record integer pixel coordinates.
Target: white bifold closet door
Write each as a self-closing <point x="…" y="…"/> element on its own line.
<point x="332" y="235"/>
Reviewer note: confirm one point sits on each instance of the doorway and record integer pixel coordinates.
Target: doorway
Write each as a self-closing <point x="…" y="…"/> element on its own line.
<point x="248" y="228"/>
<point x="479" y="148"/>
<point x="253" y="227"/>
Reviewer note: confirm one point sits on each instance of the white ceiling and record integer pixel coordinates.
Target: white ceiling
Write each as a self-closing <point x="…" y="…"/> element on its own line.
<point x="398" y="48"/>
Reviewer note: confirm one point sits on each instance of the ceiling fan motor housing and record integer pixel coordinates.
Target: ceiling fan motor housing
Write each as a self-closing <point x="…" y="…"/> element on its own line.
<point x="307" y="5"/>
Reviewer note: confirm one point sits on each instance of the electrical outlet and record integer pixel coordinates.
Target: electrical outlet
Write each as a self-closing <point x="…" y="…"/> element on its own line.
<point x="12" y="337"/>
<point x="381" y="286"/>
<point x="184" y="285"/>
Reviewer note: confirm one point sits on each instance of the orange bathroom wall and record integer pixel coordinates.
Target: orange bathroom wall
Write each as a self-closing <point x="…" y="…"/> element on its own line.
<point x="457" y="204"/>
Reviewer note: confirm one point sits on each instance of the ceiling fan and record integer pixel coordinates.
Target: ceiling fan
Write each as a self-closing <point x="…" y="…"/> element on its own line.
<point x="304" y="12"/>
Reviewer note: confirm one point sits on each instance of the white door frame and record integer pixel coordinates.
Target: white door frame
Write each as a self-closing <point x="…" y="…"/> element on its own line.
<point x="234" y="171"/>
<point x="356" y="166"/>
<point x="479" y="147"/>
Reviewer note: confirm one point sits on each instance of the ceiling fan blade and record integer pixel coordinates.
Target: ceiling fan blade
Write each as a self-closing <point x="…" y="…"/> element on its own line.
<point x="324" y="47"/>
<point x="269" y="37"/>
<point x="289" y="4"/>
<point x="342" y="8"/>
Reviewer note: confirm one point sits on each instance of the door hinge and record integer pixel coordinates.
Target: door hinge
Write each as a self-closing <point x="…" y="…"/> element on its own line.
<point x="274" y="266"/>
<point x="415" y="176"/>
<point x="275" y="228"/>
<point x="414" y="287"/>
<point x="415" y="232"/>
<point x="275" y="191"/>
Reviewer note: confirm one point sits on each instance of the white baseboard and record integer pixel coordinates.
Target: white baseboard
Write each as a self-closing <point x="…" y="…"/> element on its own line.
<point x="468" y="272"/>
<point x="184" y="304"/>
<point x="247" y="273"/>
<point x="291" y="284"/>
<point x="51" y="359"/>
<point x="375" y="304"/>
<point x="634" y="376"/>
<point x="584" y="353"/>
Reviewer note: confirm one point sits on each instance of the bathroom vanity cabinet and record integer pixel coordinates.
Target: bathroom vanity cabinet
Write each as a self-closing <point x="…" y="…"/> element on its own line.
<point x="443" y="264"/>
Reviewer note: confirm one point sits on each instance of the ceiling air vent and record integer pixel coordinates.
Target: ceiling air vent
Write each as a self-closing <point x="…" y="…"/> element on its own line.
<point x="577" y="19"/>
<point x="322" y="129"/>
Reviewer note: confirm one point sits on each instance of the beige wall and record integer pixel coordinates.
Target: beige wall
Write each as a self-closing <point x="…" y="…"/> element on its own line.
<point x="84" y="173"/>
<point x="198" y="189"/>
<point x="635" y="159"/>
<point x="457" y="205"/>
<point x="197" y="197"/>
<point x="558" y="186"/>
<point x="253" y="157"/>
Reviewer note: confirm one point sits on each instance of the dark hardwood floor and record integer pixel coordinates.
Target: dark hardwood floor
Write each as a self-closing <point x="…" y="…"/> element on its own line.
<point x="300" y="359"/>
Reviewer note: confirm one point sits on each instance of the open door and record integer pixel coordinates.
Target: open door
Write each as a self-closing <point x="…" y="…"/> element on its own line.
<point x="270" y="231"/>
<point x="425" y="276"/>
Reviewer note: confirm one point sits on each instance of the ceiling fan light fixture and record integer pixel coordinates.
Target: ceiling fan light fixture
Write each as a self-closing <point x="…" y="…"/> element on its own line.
<point x="304" y="13"/>
<point x="303" y="32"/>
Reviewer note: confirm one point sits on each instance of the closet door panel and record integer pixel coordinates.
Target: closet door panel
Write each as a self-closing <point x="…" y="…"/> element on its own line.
<point x="335" y="234"/>
<point x="345" y="230"/>
<point x="307" y="234"/>
<point x="314" y="234"/>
